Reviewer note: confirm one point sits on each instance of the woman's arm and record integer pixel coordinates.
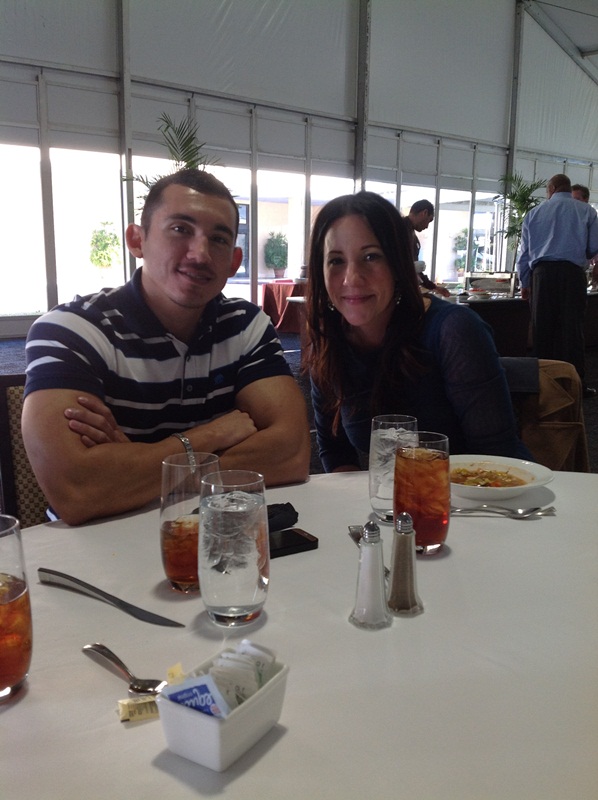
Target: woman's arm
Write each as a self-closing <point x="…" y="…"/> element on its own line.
<point x="337" y="454"/>
<point x="476" y="385"/>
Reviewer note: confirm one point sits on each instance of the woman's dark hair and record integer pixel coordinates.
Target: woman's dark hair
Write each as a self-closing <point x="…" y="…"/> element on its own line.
<point x="327" y="342"/>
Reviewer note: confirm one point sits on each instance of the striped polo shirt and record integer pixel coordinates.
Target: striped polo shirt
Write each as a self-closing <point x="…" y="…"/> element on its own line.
<point x="111" y="345"/>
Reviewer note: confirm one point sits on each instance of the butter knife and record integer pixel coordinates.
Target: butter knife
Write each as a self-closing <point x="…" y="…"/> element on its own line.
<point x="55" y="578"/>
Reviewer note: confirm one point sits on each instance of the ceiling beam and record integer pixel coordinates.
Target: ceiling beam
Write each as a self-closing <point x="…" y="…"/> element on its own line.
<point x="561" y="38"/>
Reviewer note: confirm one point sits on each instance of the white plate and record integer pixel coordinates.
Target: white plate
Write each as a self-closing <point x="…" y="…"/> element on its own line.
<point x="536" y="474"/>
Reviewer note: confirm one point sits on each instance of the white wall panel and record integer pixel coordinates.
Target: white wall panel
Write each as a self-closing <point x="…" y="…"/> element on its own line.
<point x="443" y="66"/>
<point x="382" y="149"/>
<point x="300" y="54"/>
<point x="87" y="108"/>
<point x="491" y="165"/>
<point x="419" y="154"/>
<point x="457" y="161"/>
<point x="72" y="33"/>
<point x="224" y="126"/>
<point x="279" y="134"/>
<point x="18" y="105"/>
<point x="557" y="100"/>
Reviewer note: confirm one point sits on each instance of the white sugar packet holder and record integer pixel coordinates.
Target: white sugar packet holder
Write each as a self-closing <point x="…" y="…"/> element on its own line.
<point x="230" y="702"/>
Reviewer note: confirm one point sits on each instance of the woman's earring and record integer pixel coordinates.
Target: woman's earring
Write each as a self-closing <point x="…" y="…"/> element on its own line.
<point x="331" y="305"/>
<point x="398" y="298"/>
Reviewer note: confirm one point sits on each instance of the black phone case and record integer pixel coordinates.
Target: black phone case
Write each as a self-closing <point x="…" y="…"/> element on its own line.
<point x="291" y="540"/>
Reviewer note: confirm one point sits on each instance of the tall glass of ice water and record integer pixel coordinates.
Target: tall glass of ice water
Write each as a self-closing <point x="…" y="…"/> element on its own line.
<point x="387" y="431"/>
<point x="234" y="553"/>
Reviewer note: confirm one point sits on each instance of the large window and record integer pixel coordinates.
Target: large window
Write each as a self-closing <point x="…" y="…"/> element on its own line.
<point x="86" y="188"/>
<point x="22" y="259"/>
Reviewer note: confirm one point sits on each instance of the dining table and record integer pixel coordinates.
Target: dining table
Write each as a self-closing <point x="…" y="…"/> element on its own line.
<point x="286" y="316"/>
<point x="490" y="694"/>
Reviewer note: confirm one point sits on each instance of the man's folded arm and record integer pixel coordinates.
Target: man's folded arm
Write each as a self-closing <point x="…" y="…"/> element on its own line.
<point x="83" y="482"/>
<point x="280" y="449"/>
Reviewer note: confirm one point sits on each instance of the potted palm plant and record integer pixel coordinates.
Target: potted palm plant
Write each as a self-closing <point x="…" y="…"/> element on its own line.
<point x="276" y="252"/>
<point x="519" y="197"/>
<point x="184" y="148"/>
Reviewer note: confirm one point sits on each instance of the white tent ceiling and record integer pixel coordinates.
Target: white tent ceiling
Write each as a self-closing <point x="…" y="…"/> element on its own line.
<point x="573" y="24"/>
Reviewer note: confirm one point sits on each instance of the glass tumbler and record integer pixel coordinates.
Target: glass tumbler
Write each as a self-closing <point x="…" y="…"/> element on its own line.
<point x="15" y="610"/>
<point x="422" y="488"/>
<point x="387" y="430"/>
<point x="179" y="517"/>
<point x="234" y="553"/>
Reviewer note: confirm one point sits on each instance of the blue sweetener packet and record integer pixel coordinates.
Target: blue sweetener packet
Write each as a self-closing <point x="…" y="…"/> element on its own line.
<point x="202" y="694"/>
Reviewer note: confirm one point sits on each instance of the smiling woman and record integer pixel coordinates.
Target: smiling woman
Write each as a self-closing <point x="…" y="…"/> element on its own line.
<point x="377" y="346"/>
<point x="358" y="280"/>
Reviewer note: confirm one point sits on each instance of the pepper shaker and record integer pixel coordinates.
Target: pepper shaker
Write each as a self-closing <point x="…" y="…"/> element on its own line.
<point x="403" y="598"/>
<point x="371" y="610"/>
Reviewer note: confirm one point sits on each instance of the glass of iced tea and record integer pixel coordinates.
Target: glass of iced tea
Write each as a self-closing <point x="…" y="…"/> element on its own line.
<point x="179" y="517"/>
<point x="422" y="488"/>
<point x="15" y="610"/>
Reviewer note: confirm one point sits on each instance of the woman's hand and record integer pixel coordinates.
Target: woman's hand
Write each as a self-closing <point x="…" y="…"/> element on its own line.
<point x="94" y="422"/>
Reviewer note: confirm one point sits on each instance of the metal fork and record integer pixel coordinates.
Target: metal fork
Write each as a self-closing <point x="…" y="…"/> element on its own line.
<point x="511" y="513"/>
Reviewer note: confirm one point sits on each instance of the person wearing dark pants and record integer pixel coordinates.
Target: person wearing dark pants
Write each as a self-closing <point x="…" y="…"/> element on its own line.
<point x="557" y="239"/>
<point x="558" y="305"/>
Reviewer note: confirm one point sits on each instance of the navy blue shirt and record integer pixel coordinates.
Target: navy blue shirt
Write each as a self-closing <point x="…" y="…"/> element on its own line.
<point x="463" y="393"/>
<point x="112" y="345"/>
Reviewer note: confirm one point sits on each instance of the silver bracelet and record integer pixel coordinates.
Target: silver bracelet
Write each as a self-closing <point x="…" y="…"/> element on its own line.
<point x="188" y="449"/>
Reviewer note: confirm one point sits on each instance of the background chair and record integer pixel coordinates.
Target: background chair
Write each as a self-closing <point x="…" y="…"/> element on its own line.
<point x="548" y="406"/>
<point x="20" y="494"/>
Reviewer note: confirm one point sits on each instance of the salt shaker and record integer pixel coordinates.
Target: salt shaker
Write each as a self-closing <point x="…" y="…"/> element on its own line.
<point x="403" y="598"/>
<point x="371" y="610"/>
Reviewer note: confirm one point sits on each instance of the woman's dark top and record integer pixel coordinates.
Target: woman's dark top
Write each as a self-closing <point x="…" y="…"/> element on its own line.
<point x="463" y="393"/>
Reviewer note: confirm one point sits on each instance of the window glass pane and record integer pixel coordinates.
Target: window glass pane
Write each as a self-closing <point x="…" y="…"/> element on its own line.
<point x="325" y="188"/>
<point x="492" y="245"/>
<point x="281" y="210"/>
<point x="23" y="272"/>
<point x="386" y="190"/>
<point x="452" y="219"/>
<point x="86" y="188"/>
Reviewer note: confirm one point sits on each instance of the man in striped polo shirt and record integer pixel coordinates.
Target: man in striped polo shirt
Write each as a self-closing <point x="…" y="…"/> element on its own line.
<point x="119" y="380"/>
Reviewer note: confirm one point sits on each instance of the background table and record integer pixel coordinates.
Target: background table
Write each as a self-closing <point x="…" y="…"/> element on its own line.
<point x="509" y="318"/>
<point x="490" y="694"/>
<point x="285" y="316"/>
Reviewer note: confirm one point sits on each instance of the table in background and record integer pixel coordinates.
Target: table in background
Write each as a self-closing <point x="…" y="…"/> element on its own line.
<point x="491" y="693"/>
<point x="286" y="317"/>
<point x="509" y="319"/>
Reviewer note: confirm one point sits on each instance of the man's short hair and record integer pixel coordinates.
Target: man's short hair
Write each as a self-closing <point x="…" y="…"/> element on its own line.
<point x="560" y="183"/>
<point x="583" y="190"/>
<point x="422" y="205"/>
<point x="197" y="179"/>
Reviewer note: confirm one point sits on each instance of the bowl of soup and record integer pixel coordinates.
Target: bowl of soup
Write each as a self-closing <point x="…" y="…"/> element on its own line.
<point x="494" y="478"/>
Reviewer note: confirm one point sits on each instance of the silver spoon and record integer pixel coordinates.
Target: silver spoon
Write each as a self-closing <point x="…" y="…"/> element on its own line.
<point x="511" y="513"/>
<point x="136" y="685"/>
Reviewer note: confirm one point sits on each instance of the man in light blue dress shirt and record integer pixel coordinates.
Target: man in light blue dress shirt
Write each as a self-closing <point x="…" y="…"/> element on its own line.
<point x="557" y="239"/>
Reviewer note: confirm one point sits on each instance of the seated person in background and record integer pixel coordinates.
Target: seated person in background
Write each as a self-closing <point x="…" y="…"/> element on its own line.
<point x="114" y="378"/>
<point x="377" y="346"/>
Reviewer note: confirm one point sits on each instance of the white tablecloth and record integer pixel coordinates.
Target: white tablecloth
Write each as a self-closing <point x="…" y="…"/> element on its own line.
<point x="491" y="693"/>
